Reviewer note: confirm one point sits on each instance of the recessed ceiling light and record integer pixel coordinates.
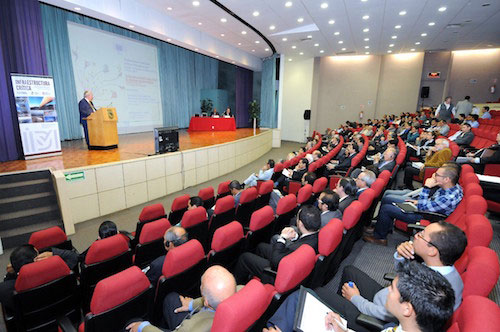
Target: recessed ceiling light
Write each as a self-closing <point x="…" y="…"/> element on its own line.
<point x="489" y="45"/>
<point x="217" y="56"/>
<point x="239" y="44"/>
<point x="316" y="45"/>
<point x="341" y="41"/>
<point x="331" y="22"/>
<point x="290" y="59"/>
<point x="233" y="62"/>
<point x="367" y="53"/>
<point x="272" y="27"/>
<point x="423" y="34"/>
<point x="169" y="40"/>
<point x="294" y="47"/>
<point x="284" y="39"/>
<point x="343" y="48"/>
<point x="364" y="0"/>
<point x="196" y="49"/>
<point x="196" y="3"/>
<point x="391" y="45"/>
<point x="336" y="33"/>
<point x="431" y="24"/>
<point x="223" y="20"/>
<point x="131" y="26"/>
<point x="367" y="39"/>
<point x="301" y="53"/>
<point x="366" y="17"/>
<point x="222" y="35"/>
<point x="397" y="26"/>
<point x="324" y="5"/>
<point x="78" y="8"/>
<point x="366" y="30"/>
<point x="389" y="51"/>
<point x="413" y="50"/>
<point x="255" y="13"/>
<point x="321" y="51"/>
<point x="243" y="32"/>
<point x="367" y="46"/>
<point x="394" y="37"/>
<point x="309" y="37"/>
<point x="169" y="8"/>
<point x="288" y="4"/>
<point x="257" y="42"/>
<point x="253" y="50"/>
<point x="300" y="19"/>
<point x="199" y="23"/>
<point x="417" y="43"/>
<point x="266" y="49"/>
<point x="402" y="13"/>
<point x="442" y="9"/>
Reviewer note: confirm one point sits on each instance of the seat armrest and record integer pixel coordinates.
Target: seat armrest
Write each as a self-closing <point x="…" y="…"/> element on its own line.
<point x="372" y="323"/>
<point x="65" y="324"/>
<point x="390" y="276"/>
<point x="432" y="216"/>
<point x="127" y="235"/>
<point x="270" y="271"/>
<point x="416" y="227"/>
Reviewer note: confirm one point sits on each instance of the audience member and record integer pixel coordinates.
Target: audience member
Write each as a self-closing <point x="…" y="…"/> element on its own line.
<point x="265" y="174"/>
<point x="269" y="255"/>
<point x="194" y="202"/>
<point x="328" y="204"/>
<point x="106" y="229"/>
<point x="364" y="180"/>
<point x="463" y="137"/>
<point x="445" y="110"/>
<point x="464" y="106"/>
<point x="295" y="174"/>
<point x="346" y="189"/>
<point x="486" y="113"/>
<point x="308" y="178"/>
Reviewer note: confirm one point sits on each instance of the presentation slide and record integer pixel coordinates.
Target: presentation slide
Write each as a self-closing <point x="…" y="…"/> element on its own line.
<point x="121" y="72"/>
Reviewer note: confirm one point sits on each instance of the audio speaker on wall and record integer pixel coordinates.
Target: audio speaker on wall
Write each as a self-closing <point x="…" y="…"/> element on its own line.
<point x="424" y="92"/>
<point x="307" y="115"/>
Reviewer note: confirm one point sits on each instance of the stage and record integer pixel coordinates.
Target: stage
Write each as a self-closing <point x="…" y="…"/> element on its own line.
<point x="131" y="146"/>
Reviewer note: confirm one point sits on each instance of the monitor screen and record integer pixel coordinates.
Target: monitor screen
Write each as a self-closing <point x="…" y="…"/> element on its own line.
<point x="166" y="139"/>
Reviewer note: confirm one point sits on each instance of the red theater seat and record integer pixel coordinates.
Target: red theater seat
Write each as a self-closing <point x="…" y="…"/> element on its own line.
<point x="208" y="197"/>
<point x="226" y="245"/>
<point x="50" y="237"/>
<point x="195" y="222"/>
<point x="151" y="243"/>
<point x="179" y="206"/>
<point x="246" y="205"/>
<point x="286" y="209"/>
<point x="260" y="228"/>
<point x="476" y="313"/>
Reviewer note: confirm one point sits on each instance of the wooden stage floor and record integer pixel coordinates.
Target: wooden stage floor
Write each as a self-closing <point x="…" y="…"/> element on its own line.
<point x="131" y="146"/>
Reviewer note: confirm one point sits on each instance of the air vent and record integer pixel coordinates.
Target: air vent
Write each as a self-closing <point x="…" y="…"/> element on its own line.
<point x="453" y="26"/>
<point x="485" y="4"/>
<point x="437" y="50"/>
<point x="346" y="52"/>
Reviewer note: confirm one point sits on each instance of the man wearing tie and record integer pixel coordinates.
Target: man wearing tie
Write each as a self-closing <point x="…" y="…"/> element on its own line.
<point x="86" y="108"/>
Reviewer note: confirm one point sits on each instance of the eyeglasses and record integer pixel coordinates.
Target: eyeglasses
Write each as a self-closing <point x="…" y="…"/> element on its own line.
<point x="439" y="175"/>
<point x="421" y="236"/>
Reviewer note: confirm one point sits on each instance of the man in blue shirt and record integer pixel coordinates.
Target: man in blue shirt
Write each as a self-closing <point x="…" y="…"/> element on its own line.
<point x="486" y="113"/>
<point x="264" y="174"/>
<point x="443" y="201"/>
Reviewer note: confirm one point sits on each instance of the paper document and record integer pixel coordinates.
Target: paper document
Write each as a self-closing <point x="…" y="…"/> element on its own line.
<point x="417" y="164"/>
<point x="286" y="172"/>
<point x="488" y="178"/>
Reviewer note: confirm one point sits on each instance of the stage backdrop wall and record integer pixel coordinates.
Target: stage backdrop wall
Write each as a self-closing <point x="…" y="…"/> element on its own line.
<point x="22" y="51"/>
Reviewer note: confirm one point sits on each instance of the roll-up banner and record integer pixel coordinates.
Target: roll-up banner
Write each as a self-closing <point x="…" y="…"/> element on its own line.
<point x="37" y="116"/>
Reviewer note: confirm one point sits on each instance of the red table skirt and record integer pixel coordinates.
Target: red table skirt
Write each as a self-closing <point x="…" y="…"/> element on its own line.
<point x="212" y="124"/>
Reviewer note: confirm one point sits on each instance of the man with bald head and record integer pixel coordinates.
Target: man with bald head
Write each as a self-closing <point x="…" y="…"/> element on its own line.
<point x="86" y="108"/>
<point x="174" y="236"/>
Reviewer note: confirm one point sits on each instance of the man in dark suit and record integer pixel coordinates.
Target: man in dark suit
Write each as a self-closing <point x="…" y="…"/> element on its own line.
<point x="445" y="110"/>
<point x="478" y="163"/>
<point x="328" y="204"/>
<point x="174" y="236"/>
<point x="342" y="164"/>
<point x="269" y="255"/>
<point x="388" y="162"/>
<point x="364" y="181"/>
<point x="346" y="189"/>
<point x="86" y="108"/>
<point x="463" y="137"/>
<point x="296" y="174"/>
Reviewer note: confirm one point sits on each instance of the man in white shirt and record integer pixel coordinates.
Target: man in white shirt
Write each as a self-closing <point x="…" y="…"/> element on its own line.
<point x="265" y="173"/>
<point x="445" y="110"/>
<point x="464" y="106"/>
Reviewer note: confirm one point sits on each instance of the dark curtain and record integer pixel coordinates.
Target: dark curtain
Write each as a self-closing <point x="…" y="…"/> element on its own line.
<point x="244" y="89"/>
<point x="22" y="50"/>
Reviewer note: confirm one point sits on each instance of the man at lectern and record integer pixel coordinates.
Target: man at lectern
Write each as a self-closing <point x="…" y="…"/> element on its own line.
<point x="86" y="107"/>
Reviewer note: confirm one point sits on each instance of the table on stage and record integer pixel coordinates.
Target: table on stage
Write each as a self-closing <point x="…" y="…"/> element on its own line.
<point x="212" y="124"/>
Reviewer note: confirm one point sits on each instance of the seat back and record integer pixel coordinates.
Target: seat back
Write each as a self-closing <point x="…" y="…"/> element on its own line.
<point x="179" y="206"/>
<point x="305" y="195"/>
<point x="319" y="185"/>
<point x="479" y="233"/>
<point x="265" y="189"/>
<point x="481" y="273"/>
<point x="223" y="189"/>
<point x="149" y="213"/>
<point x="208" y="197"/>
<point x="286" y="209"/>
<point x="226" y="245"/>
<point x="117" y="298"/>
<point x="223" y="214"/>
<point x="476" y="313"/>
<point x="350" y="220"/>
<point x="239" y="312"/>
<point x="329" y="240"/>
<point x="150" y="243"/>
<point x="45" y="291"/>
<point x="181" y="272"/>
<point x="104" y="258"/>
<point x="260" y="228"/>
<point x="50" y="237"/>
<point x="294" y="268"/>
<point x="246" y="205"/>
<point x="195" y="223"/>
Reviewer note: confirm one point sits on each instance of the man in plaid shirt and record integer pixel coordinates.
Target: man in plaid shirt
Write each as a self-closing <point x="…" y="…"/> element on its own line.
<point x="443" y="201"/>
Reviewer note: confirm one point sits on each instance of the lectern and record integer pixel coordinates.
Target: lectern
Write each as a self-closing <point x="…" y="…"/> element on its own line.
<point x="103" y="133"/>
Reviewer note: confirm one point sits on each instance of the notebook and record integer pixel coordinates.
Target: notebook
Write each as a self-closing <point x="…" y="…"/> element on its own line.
<point x="406" y="207"/>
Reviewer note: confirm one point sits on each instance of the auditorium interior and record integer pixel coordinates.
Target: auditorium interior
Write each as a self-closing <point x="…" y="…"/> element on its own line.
<point x="228" y="158"/>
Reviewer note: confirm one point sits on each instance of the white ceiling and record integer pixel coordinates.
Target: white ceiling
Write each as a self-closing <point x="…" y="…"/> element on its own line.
<point x="479" y="24"/>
